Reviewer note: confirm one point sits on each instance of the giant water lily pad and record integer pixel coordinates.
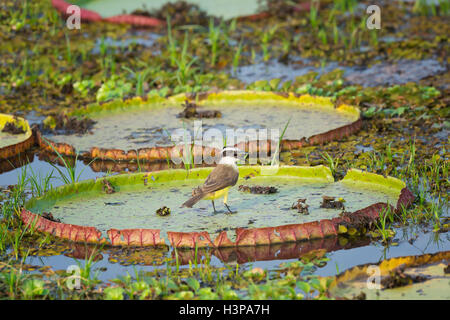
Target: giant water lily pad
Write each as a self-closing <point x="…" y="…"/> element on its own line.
<point x="117" y="11"/>
<point x="16" y="135"/>
<point x="412" y="277"/>
<point x="132" y="129"/>
<point x="88" y="212"/>
<point x="227" y="9"/>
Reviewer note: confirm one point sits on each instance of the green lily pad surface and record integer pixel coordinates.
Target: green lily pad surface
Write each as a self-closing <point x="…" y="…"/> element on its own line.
<point x="138" y="196"/>
<point x="226" y="9"/>
<point x="7" y="139"/>
<point x="130" y="126"/>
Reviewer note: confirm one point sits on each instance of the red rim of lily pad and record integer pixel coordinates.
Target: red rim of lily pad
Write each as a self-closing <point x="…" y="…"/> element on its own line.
<point x="244" y="237"/>
<point x="155" y="154"/>
<point x="143" y="21"/>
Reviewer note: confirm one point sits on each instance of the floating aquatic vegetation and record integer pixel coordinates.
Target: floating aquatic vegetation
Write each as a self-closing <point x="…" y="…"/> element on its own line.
<point x="164" y="211"/>
<point x="145" y="133"/>
<point x="49" y="216"/>
<point x="180" y="13"/>
<point x="258" y="189"/>
<point x="191" y="111"/>
<point x="411" y="277"/>
<point x="108" y="187"/>
<point x="16" y="136"/>
<point x="398" y="278"/>
<point x="301" y="206"/>
<point x="132" y="223"/>
<point x="143" y="256"/>
<point x="12" y="128"/>
<point x="62" y="124"/>
<point x="330" y="203"/>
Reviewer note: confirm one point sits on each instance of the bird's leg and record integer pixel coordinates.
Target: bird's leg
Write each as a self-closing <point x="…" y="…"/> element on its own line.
<point x="229" y="210"/>
<point x="225" y="198"/>
<point x="214" y="207"/>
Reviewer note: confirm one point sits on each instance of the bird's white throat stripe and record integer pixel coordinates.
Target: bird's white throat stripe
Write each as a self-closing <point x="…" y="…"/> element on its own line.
<point x="231" y="161"/>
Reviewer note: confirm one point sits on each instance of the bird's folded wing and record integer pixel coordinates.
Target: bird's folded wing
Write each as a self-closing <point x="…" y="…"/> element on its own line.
<point x="221" y="177"/>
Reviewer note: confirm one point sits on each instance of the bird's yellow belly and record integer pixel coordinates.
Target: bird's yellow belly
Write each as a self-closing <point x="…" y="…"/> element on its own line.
<point x="216" y="195"/>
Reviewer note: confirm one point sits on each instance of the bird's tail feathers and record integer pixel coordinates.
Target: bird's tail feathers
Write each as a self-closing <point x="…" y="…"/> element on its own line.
<point x="196" y="198"/>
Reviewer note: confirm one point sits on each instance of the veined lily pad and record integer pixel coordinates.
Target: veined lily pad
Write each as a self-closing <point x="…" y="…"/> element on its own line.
<point x="137" y="129"/>
<point x="117" y="11"/>
<point x="13" y="143"/>
<point x="411" y="277"/>
<point x="127" y="216"/>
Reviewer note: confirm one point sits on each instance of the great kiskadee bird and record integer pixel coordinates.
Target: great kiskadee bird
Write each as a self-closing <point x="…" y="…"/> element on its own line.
<point x="221" y="178"/>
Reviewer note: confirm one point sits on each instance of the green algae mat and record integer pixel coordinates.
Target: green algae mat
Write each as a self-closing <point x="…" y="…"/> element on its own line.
<point x="122" y="209"/>
<point x="16" y="135"/>
<point x="412" y="277"/>
<point x="138" y="129"/>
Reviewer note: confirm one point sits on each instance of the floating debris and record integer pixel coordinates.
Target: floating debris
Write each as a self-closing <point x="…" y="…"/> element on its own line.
<point x="330" y="203"/>
<point x="447" y="269"/>
<point x="301" y="206"/>
<point x="180" y="12"/>
<point x="114" y="203"/>
<point x="12" y="128"/>
<point x="190" y="111"/>
<point x="49" y="216"/>
<point x="108" y="187"/>
<point x="360" y="296"/>
<point x="258" y="189"/>
<point x="164" y="211"/>
<point x="66" y="125"/>
<point x="249" y="176"/>
<point x="398" y="278"/>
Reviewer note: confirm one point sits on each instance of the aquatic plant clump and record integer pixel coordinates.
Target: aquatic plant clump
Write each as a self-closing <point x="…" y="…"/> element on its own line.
<point x="146" y="133"/>
<point x="16" y="136"/>
<point x="88" y="213"/>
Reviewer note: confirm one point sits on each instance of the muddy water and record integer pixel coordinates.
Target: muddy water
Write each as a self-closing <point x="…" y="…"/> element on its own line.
<point x="155" y="127"/>
<point x="135" y="206"/>
<point x="272" y="69"/>
<point x="380" y="74"/>
<point x="137" y="37"/>
<point x="391" y="73"/>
